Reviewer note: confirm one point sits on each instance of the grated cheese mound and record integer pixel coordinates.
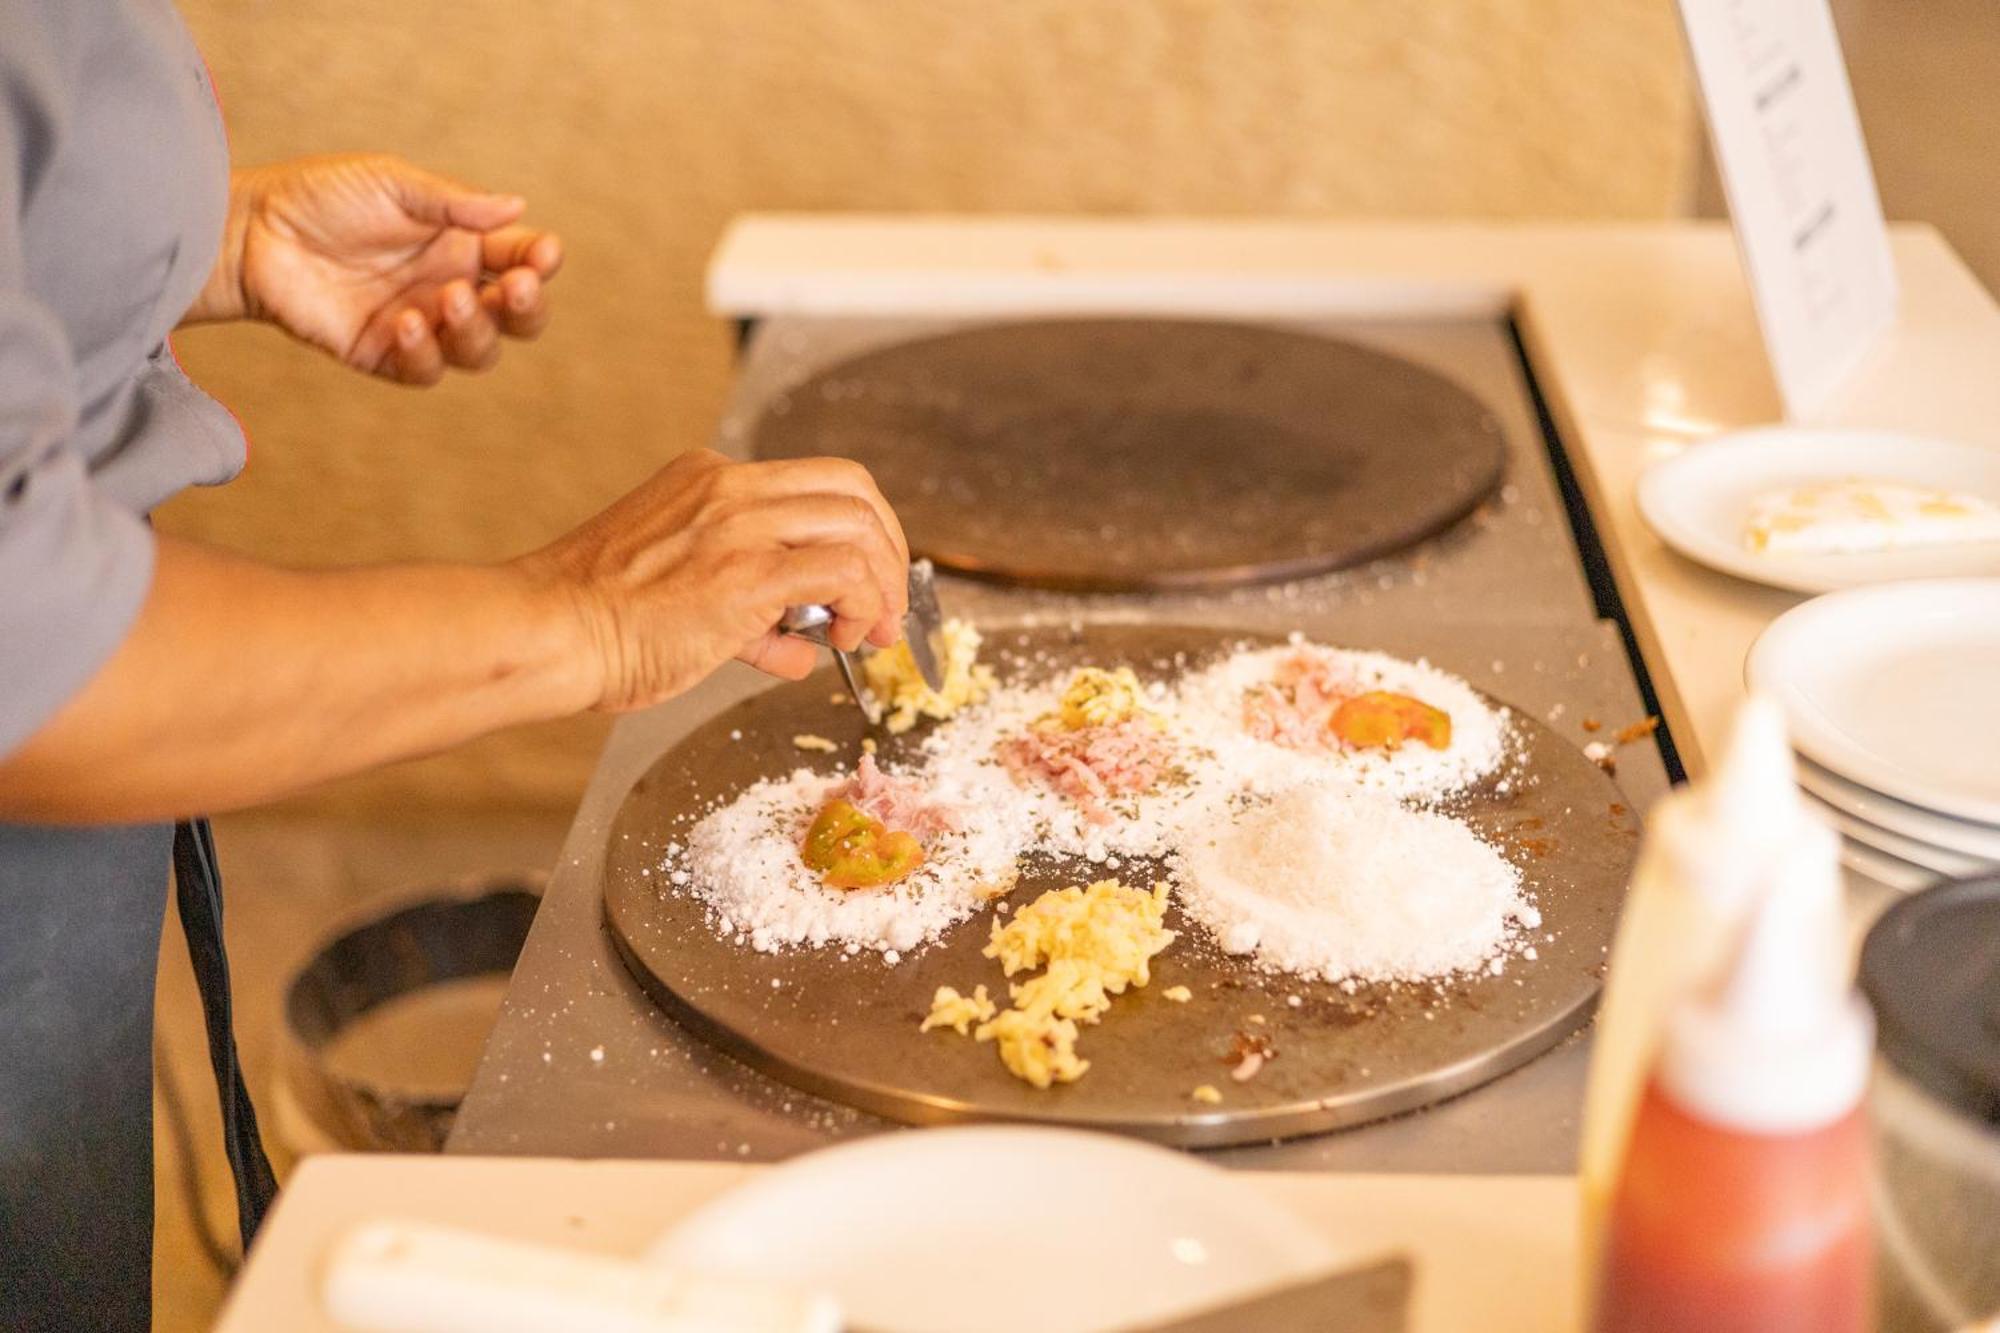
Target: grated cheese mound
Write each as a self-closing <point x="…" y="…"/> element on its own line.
<point x="1068" y="989"/>
<point x="1111" y="929"/>
<point x="958" y="1012"/>
<point x="899" y="687"/>
<point x="1036" y="1048"/>
<point x="1095" y="941"/>
<point x="1096" y="698"/>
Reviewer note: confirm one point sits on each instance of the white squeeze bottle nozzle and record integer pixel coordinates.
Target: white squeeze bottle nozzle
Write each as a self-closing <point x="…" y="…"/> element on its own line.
<point x="1777" y="1043"/>
<point x="1708" y="847"/>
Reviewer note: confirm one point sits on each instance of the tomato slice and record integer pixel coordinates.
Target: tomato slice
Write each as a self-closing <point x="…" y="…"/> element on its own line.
<point x="853" y="850"/>
<point x="1380" y="719"/>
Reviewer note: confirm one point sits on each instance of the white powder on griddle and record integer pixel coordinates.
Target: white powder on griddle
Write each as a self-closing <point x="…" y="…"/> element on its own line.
<point x="963" y="755"/>
<point x="1213" y="698"/>
<point x="742" y="859"/>
<point x="1339" y="882"/>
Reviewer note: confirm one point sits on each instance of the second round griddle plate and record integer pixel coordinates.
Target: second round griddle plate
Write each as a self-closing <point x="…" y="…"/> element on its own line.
<point x="845" y="1027"/>
<point x="1114" y="455"/>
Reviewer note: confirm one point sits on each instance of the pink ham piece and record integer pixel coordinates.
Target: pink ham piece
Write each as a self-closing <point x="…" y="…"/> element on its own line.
<point x="1295" y="708"/>
<point x="900" y="803"/>
<point x="1093" y="765"/>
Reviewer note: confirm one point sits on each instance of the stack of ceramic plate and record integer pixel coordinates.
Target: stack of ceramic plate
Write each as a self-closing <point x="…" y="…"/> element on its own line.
<point x="1893" y="697"/>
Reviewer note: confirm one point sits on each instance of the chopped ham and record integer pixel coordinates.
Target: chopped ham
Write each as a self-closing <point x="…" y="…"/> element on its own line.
<point x="900" y="803"/>
<point x="1092" y="765"/>
<point x="1295" y="708"/>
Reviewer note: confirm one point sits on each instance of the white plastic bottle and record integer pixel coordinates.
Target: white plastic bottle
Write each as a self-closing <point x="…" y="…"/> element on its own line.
<point x="1742" y="1205"/>
<point x="1708" y="847"/>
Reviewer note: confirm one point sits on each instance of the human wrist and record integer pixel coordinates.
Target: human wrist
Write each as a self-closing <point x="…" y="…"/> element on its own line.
<point x="567" y="631"/>
<point x="224" y="296"/>
<point x="248" y="187"/>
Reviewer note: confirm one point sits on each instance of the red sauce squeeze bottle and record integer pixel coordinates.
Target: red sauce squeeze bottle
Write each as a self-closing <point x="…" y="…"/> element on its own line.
<point x="1743" y="1203"/>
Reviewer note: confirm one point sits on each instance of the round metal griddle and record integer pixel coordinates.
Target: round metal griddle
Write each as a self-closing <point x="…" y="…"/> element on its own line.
<point x="1115" y="455"/>
<point x="846" y="1027"/>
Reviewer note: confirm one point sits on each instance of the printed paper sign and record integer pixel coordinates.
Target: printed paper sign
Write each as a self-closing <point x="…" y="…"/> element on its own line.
<point x="1801" y="192"/>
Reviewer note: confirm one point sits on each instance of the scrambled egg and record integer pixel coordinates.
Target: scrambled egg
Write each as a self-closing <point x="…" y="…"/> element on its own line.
<point x="897" y="685"/>
<point x="1092" y="943"/>
<point x="1178" y="994"/>
<point x="1856" y="515"/>
<point x="1097" y="697"/>
<point x="958" y="1012"/>
<point x="1206" y="1094"/>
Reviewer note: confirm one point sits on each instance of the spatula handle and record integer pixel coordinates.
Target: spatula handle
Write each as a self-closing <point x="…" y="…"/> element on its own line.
<point x="412" y="1277"/>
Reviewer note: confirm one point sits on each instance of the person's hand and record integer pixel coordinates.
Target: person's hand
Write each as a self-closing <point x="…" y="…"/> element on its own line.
<point x="696" y="566"/>
<point x="395" y="271"/>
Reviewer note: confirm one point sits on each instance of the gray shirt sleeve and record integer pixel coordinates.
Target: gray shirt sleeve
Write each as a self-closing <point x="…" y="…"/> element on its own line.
<point x="74" y="565"/>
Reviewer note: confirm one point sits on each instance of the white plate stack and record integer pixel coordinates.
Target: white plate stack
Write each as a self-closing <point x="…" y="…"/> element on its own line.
<point x="1892" y="693"/>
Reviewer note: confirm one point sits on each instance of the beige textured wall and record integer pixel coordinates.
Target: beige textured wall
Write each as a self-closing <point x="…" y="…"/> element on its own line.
<point x="638" y="127"/>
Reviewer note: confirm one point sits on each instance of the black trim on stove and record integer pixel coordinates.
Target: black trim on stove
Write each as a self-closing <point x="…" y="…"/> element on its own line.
<point x="1590" y="551"/>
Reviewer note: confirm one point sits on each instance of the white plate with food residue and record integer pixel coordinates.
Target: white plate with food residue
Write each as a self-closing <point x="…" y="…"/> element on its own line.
<point x="996" y="1229"/>
<point x="1701" y="502"/>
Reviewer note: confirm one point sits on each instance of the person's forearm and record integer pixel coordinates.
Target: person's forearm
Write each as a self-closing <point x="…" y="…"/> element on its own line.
<point x="241" y="682"/>
<point x="222" y="297"/>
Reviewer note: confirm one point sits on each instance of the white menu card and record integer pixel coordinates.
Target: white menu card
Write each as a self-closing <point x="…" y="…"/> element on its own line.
<point x="1801" y="193"/>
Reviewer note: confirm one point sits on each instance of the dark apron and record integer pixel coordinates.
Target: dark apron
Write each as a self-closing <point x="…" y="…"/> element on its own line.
<point x="80" y="920"/>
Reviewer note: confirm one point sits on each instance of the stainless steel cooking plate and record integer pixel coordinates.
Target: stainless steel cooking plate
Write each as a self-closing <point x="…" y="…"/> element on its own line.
<point x="846" y="1027"/>
<point x="1114" y="455"/>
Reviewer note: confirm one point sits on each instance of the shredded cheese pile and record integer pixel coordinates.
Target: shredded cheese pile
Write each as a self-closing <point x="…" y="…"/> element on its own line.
<point x="1092" y="943"/>
<point x="899" y="687"/>
<point x="1097" y="698"/>
<point x="958" y="1012"/>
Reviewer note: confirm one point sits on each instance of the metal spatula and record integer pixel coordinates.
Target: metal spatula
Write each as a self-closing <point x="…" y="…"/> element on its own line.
<point x="924" y="625"/>
<point x="921" y="627"/>
<point x="811" y="623"/>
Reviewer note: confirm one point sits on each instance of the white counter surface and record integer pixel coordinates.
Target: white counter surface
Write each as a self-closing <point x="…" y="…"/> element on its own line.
<point x="1644" y="341"/>
<point x="1490" y="1252"/>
